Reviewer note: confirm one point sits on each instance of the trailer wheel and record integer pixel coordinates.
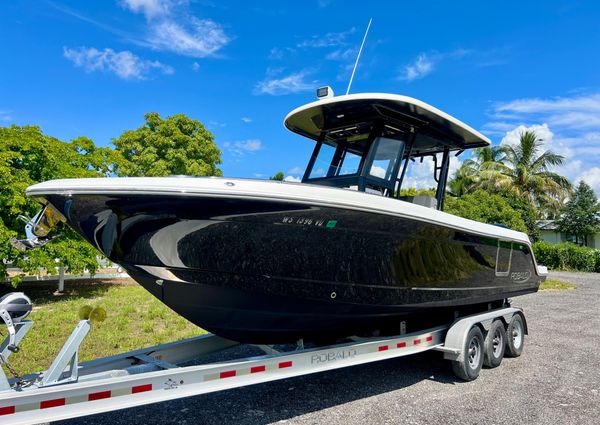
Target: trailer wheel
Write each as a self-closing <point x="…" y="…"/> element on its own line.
<point x="471" y="360"/>
<point x="494" y="345"/>
<point x="515" y="336"/>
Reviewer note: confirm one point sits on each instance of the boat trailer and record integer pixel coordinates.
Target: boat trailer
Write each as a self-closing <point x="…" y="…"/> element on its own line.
<point x="70" y="389"/>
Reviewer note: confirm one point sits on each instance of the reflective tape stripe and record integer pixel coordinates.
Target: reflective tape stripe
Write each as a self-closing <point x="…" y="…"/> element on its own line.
<point x="99" y="395"/>
<point x="8" y="410"/>
<point x="382" y="348"/>
<point x="257" y="369"/>
<point x="429" y="338"/>
<point x="141" y="388"/>
<point x="416" y="341"/>
<point x="401" y="344"/>
<point x="46" y="404"/>
<point x="227" y="374"/>
<point x="283" y="365"/>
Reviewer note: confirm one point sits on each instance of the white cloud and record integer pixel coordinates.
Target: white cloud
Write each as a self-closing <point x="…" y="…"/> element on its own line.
<point x="567" y="113"/>
<point x="420" y="174"/>
<point x="190" y="37"/>
<point x="247" y="119"/>
<point x="150" y="8"/>
<point x="592" y="177"/>
<point x="342" y="54"/>
<point x="579" y="120"/>
<point x="582" y="103"/>
<point x="421" y="67"/>
<point x="542" y="131"/>
<point x="217" y="124"/>
<point x="296" y="170"/>
<point x="377" y="171"/>
<point x="331" y="39"/>
<point x="275" y="53"/>
<point x="124" y="64"/>
<point x="242" y="147"/>
<point x="570" y="126"/>
<point x="425" y="63"/>
<point x="292" y="179"/>
<point x="195" y="66"/>
<point x="293" y="83"/>
<point x="550" y="142"/>
<point x="171" y="27"/>
<point x="5" y="115"/>
<point x="497" y="128"/>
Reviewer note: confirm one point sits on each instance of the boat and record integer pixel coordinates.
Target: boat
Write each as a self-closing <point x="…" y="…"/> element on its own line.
<point x="340" y="253"/>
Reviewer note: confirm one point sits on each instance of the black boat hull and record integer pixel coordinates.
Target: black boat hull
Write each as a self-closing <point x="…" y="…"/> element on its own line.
<point x="271" y="271"/>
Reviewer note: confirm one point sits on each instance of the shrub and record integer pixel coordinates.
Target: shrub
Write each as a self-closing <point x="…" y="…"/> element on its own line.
<point x="597" y="260"/>
<point x="567" y="256"/>
<point x="487" y="208"/>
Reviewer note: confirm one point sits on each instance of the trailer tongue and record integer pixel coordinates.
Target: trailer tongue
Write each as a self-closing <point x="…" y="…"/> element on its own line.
<point x="71" y="389"/>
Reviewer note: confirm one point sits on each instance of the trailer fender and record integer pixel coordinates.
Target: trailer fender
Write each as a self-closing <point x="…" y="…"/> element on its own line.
<point x="457" y="334"/>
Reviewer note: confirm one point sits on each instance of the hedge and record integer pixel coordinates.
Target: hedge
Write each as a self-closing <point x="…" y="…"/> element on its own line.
<point x="567" y="256"/>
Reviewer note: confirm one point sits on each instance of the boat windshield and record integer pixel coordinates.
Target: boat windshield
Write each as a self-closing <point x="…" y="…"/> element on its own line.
<point x="369" y="157"/>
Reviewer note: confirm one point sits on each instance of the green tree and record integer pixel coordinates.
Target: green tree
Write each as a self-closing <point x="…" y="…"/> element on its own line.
<point x="413" y="191"/>
<point x="464" y="179"/>
<point x="278" y="176"/>
<point x="487" y="208"/>
<point x="27" y="157"/>
<point x="469" y="176"/>
<point x="581" y="216"/>
<point x="528" y="213"/>
<point x="525" y="172"/>
<point x="486" y="155"/>
<point x="177" y="145"/>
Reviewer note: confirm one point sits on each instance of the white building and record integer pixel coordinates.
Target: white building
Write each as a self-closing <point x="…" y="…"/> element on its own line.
<point x="549" y="233"/>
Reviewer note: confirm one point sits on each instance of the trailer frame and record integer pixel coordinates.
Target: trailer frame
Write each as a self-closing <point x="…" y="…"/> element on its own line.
<point x="69" y="389"/>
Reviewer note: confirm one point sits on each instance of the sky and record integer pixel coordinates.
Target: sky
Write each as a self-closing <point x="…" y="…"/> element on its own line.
<point x="95" y="68"/>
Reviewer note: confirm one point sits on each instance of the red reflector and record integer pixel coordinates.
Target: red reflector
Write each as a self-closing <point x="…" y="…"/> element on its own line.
<point x="46" y="404"/>
<point x="382" y="348"/>
<point x="429" y="338"/>
<point x="401" y="345"/>
<point x="141" y="388"/>
<point x="99" y="396"/>
<point x="417" y="341"/>
<point x="256" y="369"/>
<point x="283" y="365"/>
<point x="8" y="410"/>
<point x="227" y="374"/>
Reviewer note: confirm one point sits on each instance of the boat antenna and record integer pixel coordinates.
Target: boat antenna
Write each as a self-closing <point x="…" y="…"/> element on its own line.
<point x="358" y="56"/>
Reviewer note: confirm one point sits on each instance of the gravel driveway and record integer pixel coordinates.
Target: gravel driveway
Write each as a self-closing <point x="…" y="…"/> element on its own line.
<point x="555" y="381"/>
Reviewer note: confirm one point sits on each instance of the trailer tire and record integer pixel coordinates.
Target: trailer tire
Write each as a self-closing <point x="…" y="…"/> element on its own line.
<point x="494" y="345"/>
<point x="515" y="336"/>
<point x="468" y="366"/>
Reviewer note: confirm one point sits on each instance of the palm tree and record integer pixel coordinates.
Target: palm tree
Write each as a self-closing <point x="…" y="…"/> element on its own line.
<point x="489" y="155"/>
<point x="464" y="179"/>
<point x="526" y="173"/>
<point x="472" y="173"/>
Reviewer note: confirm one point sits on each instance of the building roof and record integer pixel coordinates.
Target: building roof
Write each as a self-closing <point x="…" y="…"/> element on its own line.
<point x="547" y="225"/>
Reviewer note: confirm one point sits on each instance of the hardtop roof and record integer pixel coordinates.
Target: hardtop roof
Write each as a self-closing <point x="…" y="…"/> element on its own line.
<point x="435" y="128"/>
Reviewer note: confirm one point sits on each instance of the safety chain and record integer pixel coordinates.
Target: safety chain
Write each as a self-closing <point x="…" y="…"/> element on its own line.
<point x="21" y="381"/>
<point x="14" y="373"/>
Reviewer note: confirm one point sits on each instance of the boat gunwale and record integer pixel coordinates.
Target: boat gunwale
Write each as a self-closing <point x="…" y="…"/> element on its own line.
<point x="229" y="192"/>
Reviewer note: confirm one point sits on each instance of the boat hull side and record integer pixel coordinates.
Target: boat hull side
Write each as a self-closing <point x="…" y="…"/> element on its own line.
<point x="264" y="271"/>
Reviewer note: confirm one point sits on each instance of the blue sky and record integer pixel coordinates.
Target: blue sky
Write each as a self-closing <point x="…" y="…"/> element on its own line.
<point x="94" y="69"/>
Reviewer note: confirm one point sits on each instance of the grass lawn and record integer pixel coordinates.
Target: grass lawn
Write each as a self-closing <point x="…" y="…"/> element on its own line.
<point x="556" y="285"/>
<point x="135" y="319"/>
